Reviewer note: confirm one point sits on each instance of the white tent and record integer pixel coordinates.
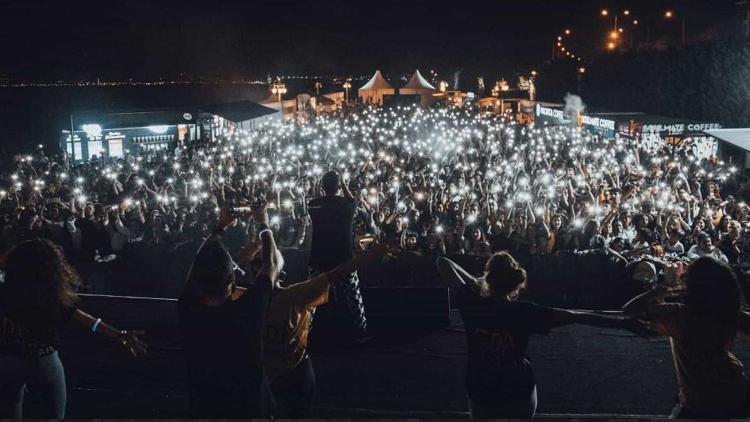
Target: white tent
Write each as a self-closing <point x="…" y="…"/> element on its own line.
<point x="418" y="85"/>
<point x="372" y="92"/>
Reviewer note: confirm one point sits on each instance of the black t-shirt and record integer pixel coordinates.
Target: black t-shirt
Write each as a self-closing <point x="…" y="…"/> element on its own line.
<point x="332" y="235"/>
<point x="20" y="340"/>
<point x="223" y="347"/>
<point x="497" y="335"/>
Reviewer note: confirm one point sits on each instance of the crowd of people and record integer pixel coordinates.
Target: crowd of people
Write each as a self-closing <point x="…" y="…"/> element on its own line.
<point x="412" y="181"/>
<point x="426" y="181"/>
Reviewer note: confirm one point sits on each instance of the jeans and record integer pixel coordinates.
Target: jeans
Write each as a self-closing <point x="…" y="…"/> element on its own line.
<point x="343" y="317"/>
<point x="294" y="391"/>
<point x="523" y="409"/>
<point x="43" y="377"/>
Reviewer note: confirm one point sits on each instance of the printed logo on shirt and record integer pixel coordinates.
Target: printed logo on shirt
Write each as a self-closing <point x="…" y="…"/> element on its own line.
<point x="500" y="343"/>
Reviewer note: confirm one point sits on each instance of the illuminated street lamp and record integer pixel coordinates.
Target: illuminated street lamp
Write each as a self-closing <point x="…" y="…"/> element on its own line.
<point x="318" y="85"/>
<point x="279" y="89"/>
<point x="611" y="46"/>
<point x="567" y="32"/>
<point x="533" y="73"/>
<point x="347" y="85"/>
<point x="605" y="12"/>
<point x="581" y="70"/>
<point x="669" y="14"/>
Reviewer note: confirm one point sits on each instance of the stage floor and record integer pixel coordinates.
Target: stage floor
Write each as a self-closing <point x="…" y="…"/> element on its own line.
<point x="412" y="373"/>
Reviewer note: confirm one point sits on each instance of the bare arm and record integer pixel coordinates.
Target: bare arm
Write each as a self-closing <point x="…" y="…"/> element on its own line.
<point x="453" y="274"/>
<point x="128" y="339"/>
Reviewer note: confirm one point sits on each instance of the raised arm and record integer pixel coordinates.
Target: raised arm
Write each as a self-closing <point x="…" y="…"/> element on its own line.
<point x="342" y="272"/>
<point x="454" y="275"/>
<point x="568" y="316"/>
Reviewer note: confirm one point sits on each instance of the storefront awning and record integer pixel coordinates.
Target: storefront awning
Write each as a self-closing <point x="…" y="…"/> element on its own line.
<point x="737" y="137"/>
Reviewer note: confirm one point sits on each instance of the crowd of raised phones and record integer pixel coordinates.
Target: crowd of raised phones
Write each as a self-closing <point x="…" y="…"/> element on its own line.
<point x="426" y="182"/>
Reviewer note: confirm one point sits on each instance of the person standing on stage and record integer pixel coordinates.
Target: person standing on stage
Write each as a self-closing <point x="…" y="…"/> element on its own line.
<point x="333" y="244"/>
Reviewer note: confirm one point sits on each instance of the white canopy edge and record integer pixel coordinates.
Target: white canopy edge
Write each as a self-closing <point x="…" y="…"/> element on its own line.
<point x="737" y="137"/>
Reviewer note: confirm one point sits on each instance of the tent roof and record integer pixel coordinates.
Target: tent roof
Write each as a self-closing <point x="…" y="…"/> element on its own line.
<point x="737" y="137"/>
<point x="417" y="82"/>
<point x="117" y="119"/>
<point x="377" y="82"/>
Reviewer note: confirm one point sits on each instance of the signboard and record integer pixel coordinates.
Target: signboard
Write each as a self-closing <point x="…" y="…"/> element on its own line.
<point x="550" y="112"/>
<point x="597" y="122"/>
<point x="680" y="128"/>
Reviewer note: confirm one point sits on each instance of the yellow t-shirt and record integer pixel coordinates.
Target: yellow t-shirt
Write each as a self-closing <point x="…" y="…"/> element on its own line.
<point x="288" y="324"/>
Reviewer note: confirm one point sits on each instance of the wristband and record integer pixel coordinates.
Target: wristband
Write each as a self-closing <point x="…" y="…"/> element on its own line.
<point x="260" y="234"/>
<point x="96" y="325"/>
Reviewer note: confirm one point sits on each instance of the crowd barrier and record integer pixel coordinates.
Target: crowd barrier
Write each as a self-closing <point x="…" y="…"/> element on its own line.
<point x="575" y="279"/>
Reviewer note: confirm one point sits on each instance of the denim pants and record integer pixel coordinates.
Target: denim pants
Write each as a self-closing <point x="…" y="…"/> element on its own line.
<point x="523" y="409"/>
<point x="294" y="391"/>
<point x="43" y="377"/>
<point x="343" y="317"/>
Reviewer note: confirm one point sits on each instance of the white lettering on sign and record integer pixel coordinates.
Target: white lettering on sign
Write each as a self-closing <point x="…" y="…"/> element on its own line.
<point x="549" y="112"/>
<point x="680" y="128"/>
<point x="598" y="122"/>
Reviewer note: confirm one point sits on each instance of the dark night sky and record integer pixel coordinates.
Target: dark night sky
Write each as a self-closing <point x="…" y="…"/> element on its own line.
<point x="117" y="39"/>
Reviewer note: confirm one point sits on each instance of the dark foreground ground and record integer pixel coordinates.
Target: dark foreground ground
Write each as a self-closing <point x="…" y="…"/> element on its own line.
<point x="404" y="372"/>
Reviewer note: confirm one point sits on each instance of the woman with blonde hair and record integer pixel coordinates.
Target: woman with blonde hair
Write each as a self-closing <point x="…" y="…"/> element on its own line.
<point x="499" y="378"/>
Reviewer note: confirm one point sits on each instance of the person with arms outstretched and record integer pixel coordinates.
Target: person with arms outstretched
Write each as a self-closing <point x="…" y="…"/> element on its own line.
<point x="37" y="301"/>
<point x="500" y="379"/>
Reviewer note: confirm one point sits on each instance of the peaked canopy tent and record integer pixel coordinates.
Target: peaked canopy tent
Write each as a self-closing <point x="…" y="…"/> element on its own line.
<point x="418" y="85"/>
<point x="373" y="91"/>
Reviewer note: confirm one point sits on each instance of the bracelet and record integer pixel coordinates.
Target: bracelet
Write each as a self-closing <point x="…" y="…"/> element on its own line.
<point x="96" y="325"/>
<point x="260" y="234"/>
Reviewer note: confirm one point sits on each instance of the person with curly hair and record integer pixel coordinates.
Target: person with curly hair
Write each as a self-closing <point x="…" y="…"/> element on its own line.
<point x="37" y="301"/>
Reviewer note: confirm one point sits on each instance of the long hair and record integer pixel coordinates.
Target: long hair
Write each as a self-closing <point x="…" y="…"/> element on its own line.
<point x="713" y="293"/>
<point x="39" y="284"/>
<point x="504" y="277"/>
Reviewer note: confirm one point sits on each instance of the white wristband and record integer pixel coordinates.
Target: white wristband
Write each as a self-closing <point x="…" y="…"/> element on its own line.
<point x="96" y="325"/>
<point x="260" y="234"/>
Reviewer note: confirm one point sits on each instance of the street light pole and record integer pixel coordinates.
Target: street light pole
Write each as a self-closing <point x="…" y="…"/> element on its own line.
<point x="279" y="88"/>
<point x="347" y="85"/>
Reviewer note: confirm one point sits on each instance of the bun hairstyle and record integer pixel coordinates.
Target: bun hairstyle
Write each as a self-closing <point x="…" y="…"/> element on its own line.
<point x="504" y="277"/>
